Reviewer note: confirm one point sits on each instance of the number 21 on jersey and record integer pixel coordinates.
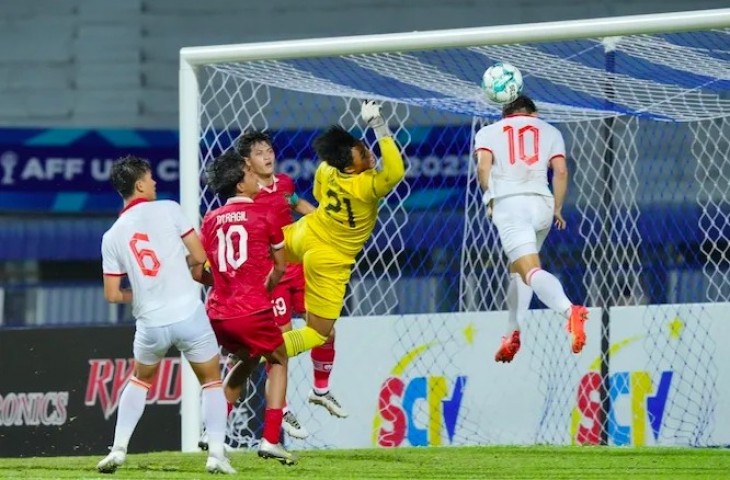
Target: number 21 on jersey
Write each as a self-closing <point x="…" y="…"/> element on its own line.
<point x="232" y="247"/>
<point x="524" y="143"/>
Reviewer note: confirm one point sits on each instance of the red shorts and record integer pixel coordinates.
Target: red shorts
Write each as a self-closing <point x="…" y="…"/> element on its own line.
<point x="258" y="333"/>
<point x="288" y="298"/>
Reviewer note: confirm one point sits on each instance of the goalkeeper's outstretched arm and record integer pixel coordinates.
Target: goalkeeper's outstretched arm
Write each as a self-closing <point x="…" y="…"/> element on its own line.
<point x="393" y="169"/>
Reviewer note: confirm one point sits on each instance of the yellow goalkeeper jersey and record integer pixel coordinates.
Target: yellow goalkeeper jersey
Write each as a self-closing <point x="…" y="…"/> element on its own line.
<point x="348" y="204"/>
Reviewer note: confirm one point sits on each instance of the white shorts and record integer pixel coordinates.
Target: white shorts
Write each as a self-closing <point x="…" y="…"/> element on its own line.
<point x="523" y="223"/>
<point x="193" y="336"/>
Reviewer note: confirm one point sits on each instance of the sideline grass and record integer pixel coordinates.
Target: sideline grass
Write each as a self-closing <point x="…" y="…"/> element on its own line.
<point x="407" y="463"/>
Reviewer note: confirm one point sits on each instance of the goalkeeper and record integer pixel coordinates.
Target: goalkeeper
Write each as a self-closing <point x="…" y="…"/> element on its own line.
<point x="348" y="189"/>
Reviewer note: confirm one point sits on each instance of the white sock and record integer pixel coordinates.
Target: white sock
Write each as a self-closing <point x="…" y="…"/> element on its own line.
<point x="321" y="391"/>
<point x="549" y="290"/>
<point x="131" y="406"/>
<point x="519" y="295"/>
<point x="215" y="416"/>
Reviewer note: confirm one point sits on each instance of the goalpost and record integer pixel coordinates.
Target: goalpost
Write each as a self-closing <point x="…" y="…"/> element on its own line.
<point x="643" y="104"/>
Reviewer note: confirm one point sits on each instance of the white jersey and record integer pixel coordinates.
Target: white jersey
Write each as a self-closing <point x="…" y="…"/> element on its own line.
<point x="145" y="243"/>
<point x="522" y="147"/>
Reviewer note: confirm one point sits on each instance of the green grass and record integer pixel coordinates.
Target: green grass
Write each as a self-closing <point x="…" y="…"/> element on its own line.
<point x="408" y="463"/>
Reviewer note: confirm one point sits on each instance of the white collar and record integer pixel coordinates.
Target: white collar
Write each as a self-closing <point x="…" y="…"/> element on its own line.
<point x="239" y="200"/>
<point x="271" y="188"/>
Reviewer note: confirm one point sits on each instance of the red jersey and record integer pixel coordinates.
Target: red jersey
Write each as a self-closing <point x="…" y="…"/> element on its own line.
<point x="237" y="238"/>
<point x="281" y="197"/>
<point x="278" y="196"/>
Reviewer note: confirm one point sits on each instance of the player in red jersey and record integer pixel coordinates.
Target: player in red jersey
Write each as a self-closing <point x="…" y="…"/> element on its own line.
<point x="240" y="238"/>
<point x="278" y="191"/>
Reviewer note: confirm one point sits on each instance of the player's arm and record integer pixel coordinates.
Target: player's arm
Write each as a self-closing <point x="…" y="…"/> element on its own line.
<point x="279" y="256"/>
<point x="560" y="187"/>
<point x="393" y="169"/>
<point x="485" y="159"/>
<point x="300" y="205"/>
<point x="113" y="291"/>
<point x="113" y="273"/>
<point x="560" y="177"/>
<point x="276" y="239"/>
<point x="196" y="253"/>
<point x="201" y="274"/>
<point x="483" y="148"/>
<point x="199" y="271"/>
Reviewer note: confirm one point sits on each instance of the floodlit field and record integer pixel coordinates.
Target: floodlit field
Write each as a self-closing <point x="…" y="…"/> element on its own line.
<point x="408" y="463"/>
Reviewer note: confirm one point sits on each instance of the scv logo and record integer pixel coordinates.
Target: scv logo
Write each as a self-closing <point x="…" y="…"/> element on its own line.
<point x="399" y="404"/>
<point x="636" y="401"/>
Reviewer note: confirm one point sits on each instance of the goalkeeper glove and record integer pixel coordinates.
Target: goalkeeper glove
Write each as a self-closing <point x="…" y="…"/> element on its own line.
<point x="370" y="112"/>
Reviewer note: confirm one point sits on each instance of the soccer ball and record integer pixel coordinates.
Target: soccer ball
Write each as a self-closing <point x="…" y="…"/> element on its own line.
<point x="502" y="83"/>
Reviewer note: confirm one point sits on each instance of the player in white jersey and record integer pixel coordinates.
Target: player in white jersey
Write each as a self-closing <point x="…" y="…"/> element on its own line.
<point x="153" y="245"/>
<point x="514" y="155"/>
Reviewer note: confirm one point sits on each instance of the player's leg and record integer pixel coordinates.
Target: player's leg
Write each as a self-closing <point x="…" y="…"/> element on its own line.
<point x="150" y="345"/>
<point x="197" y="341"/>
<point x="231" y="334"/>
<point x="283" y="306"/>
<point x="323" y="359"/>
<point x="518" y="303"/>
<point x="269" y="339"/>
<point x="323" y="356"/>
<point x="511" y="217"/>
<point x="519" y="219"/>
<point x="313" y="334"/>
<point x="327" y="273"/>
<point x="235" y="380"/>
<point x="519" y="295"/>
<point x="305" y="249"/>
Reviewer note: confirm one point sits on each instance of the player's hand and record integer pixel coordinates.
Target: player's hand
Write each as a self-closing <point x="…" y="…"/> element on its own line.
<point x="559" y="220"/>
<point x="370" y="112"/>
<point x="488" y="202"/>
<point x="273" y="278"/>
<point x="270" y="283"/>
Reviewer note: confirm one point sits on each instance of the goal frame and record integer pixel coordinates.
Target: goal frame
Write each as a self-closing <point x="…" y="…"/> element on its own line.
<point x="193" y="58"/>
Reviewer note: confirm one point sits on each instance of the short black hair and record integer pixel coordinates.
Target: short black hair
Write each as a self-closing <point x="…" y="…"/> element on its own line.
<point x="335" y="146"/>
<point x="224" y="173"/>
<point x="126" y="171"/>
<point x="247" y="140"/>
<point x="521" y="103"/>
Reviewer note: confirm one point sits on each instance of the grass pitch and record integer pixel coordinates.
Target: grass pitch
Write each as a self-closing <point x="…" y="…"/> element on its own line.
<point x="407" y="463"/>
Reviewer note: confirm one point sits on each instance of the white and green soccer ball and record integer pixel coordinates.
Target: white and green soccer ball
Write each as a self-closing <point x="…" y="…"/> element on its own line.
<point x="502" y="83"/>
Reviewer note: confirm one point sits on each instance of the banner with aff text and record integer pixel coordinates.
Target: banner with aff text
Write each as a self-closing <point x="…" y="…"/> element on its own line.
<point x="67" y="170"/>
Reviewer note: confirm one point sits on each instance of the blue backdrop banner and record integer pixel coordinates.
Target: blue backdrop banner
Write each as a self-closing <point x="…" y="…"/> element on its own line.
<point x="67" y="170"/>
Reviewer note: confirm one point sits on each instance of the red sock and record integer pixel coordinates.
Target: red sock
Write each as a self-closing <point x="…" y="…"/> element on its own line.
<point x="267" y="369"/>
<point x="322" y="359"/>
<point x="272" y="425"/>
<point x="229" y="407"/>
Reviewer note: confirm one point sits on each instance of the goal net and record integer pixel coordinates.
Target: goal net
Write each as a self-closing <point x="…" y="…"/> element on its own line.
<point x="645" y="119"/>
